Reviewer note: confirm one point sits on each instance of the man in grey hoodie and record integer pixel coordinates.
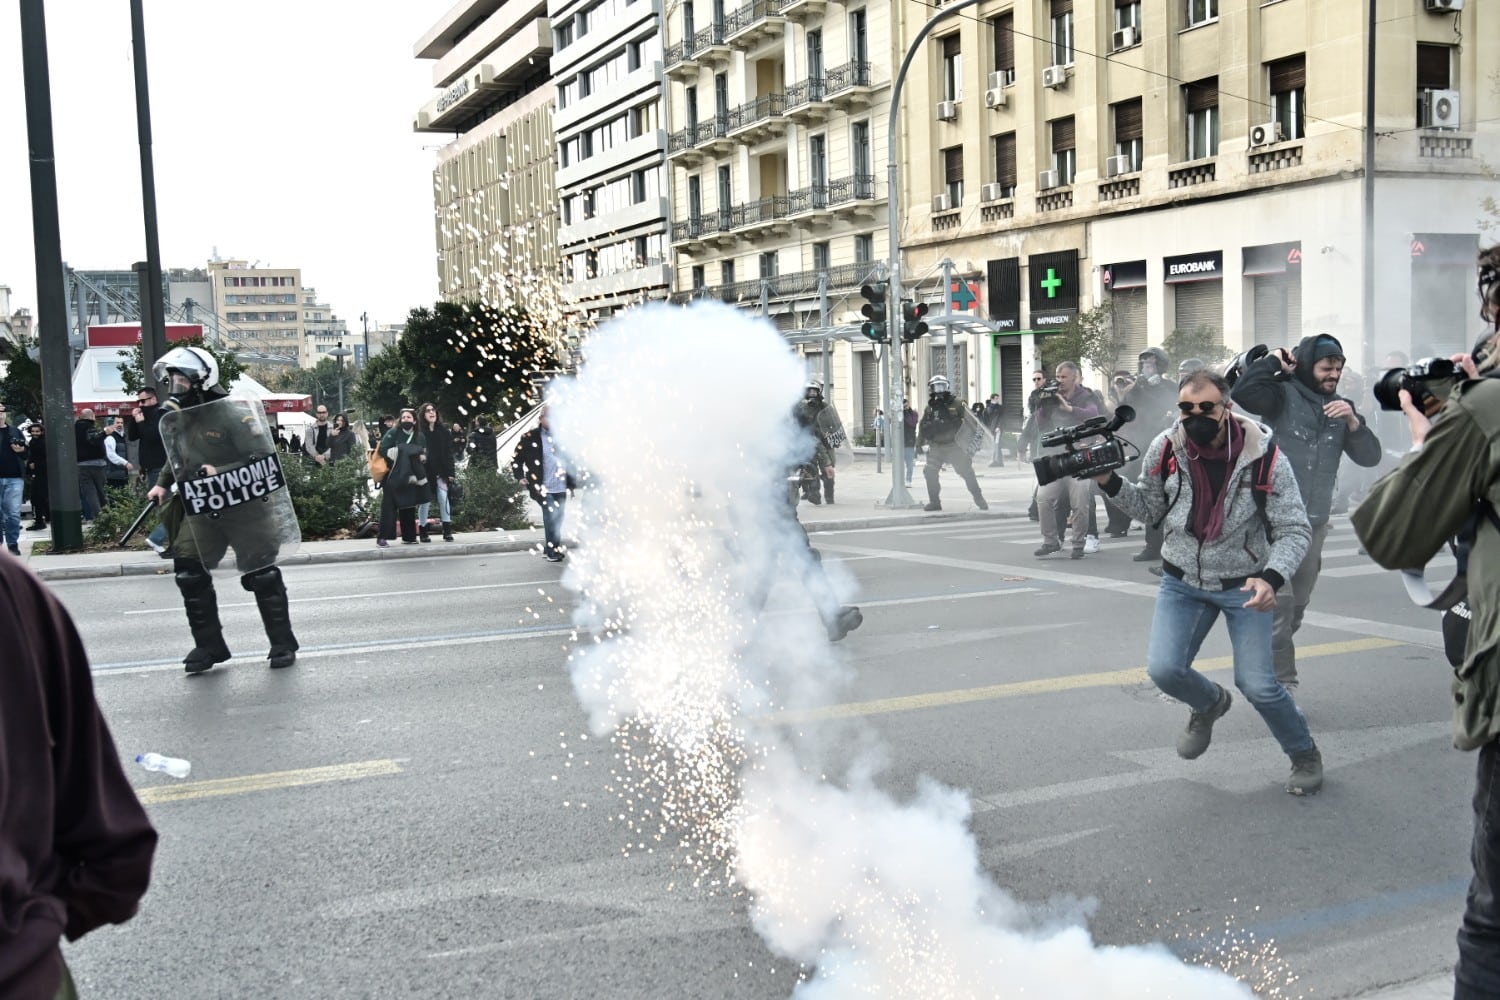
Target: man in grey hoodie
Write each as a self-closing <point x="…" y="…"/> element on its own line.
<point x="1233" y="524"/>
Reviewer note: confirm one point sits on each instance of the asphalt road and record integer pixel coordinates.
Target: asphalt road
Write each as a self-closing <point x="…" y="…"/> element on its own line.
<point x="410" y="812"/>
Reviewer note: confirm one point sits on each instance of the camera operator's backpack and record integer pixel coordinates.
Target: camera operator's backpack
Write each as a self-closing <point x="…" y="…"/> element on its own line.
<point x="1262" y="478"/>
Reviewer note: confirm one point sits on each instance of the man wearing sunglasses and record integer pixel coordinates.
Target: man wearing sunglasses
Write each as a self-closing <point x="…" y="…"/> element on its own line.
<point x="1297" y="396"/>
<point x="1225" y="551"/>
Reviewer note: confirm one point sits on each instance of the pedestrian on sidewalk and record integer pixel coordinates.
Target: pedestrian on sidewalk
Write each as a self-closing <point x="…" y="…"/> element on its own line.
<point x="88" y="441"/>
<point x="993" y="419"/>
<point x="1443" y="487"/>
<point x="75" y="844"/>
<point x="909" y="420"/>
<point x="939" y="431"/>
<point x="118" y="469"/>
<point x="1233" y="525"/>
<point x="440" y="472"/>
<point x="144" y="427"/>
<point x="537" y="464"/>
<point x="12" y="480"/>
<point x="405" y="486"/>
<point x="36" y="471"/>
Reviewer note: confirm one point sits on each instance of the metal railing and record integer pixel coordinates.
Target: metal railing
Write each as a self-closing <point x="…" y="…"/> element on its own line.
<point x="809" y="91"/>
<point x="847" y="77"/>
<point x="750" y="15"/>
<point x="681" y="140"/>
<point x="760" y="109"/>
<point x="798" y="283"/>
<point x="714" y="128"/>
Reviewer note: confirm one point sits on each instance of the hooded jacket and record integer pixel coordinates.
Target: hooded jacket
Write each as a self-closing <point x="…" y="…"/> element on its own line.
<point x="1154" y="401"/>
<point x="1249" y="544"/>
<point x="1292" y="406"/>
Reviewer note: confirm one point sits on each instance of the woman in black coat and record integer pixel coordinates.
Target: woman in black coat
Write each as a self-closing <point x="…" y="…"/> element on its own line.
<point x="440" y="470"/>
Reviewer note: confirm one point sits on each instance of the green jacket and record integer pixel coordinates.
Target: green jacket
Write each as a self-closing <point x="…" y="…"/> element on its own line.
<point x="1408" y="516"/>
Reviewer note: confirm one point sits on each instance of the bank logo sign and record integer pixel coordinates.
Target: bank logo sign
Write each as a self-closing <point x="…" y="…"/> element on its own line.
<point x="1054" y="289"/>
<point x="1205" y="266"/>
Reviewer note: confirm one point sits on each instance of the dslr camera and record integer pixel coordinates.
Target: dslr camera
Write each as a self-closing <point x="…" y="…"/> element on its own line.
<point x="1049" y="393"/>
<point x="1427" y="380"/>
<point x="1085" y="463"/>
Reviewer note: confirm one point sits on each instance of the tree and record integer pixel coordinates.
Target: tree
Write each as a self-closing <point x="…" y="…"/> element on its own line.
<point x="473" y="358"/>
<point x="1205" y="343"/>
<point x="321" y="382"/>
<point x="1088" y="338"/>
<point x="21" y="388"/>
<point x="384" y="384"/>
<point x="132" y="371"/>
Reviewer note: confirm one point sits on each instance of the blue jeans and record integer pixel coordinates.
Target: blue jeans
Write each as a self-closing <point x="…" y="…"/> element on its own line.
<point x="11" y="488"/>
<point x="552" y="518"/>
<point x="444" y="511"/>
<point x="1184" y="614"/>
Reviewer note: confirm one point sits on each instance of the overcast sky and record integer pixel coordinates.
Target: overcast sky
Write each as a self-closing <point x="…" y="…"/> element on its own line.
<point x="282" y="133"/>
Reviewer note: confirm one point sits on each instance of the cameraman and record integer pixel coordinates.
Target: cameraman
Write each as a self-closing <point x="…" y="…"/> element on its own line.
<point x="1153" y="396"/>
<point x="1448" y="479"/>
<point x="1064" y="402"/>
<point x="1233" y="525"/>
<point x="1297" y="396"/>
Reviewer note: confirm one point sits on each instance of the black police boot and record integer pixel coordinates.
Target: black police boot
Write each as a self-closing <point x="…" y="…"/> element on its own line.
<point x="270" y="598"/>
<point x="202" y="606"/>
<point x="847" y="621"/>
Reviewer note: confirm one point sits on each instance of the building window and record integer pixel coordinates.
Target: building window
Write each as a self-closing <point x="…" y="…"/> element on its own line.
<point x="1064" y="151"/>
<point x="562" y="35"/>
<point x="1127" y="116"/>
<point x="859" y="37"/>
<point x="1288" y="83"/>
<point x="1062" y="32"/>
<point x="1202" y="11"/>
<point x="1434" y="72"/>
<point x="820" y="256"/>
<point x="1002" y="30"/>
<point x="1201" y="101"/>
<point x="1005" y="163"/>
<point x="953" y="68"/>
<point x="726" y="272"/>
<point x="1128" y="15"/>
<point x="698" y="276"/>
<point x="864" y="248"/>
<point x="953" y="174"/>
<point x="859" y="142"/>
<point x="768" y="264"/>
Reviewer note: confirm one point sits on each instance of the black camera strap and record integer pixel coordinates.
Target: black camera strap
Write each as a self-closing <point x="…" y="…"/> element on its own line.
<point x="1457" y="590"/>
<point x="1262" y="480"/>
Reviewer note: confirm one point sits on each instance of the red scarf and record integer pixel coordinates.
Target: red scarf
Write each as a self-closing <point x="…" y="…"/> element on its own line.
<point x="1207" y="516"/>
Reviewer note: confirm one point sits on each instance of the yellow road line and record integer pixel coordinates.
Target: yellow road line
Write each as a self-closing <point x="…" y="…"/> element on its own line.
<point x="1051" y="685"/>
<point x="266" y="782"/>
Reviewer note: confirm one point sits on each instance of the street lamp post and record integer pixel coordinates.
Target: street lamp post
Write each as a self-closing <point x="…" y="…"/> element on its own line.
<point x="341" y="352"/>
<point x="364" y="319"/>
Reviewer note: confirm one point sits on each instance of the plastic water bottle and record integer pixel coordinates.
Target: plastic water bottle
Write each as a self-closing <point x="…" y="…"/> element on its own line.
<point x="171" y="765"/>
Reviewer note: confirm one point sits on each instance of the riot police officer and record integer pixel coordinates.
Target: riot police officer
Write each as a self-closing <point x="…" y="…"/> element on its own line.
<point x="208" y="435"/>
<point x="817" y="472"/>
<point x="939" y="429"/>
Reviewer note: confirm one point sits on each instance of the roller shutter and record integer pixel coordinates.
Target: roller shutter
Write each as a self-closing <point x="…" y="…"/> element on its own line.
<point x="869" y="389"/>
<point x="1200" y="304"/>
<point x="1129" y="307"/>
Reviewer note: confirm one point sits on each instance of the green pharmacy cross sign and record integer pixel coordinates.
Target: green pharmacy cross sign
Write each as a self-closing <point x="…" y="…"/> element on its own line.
<point x="962" y="296"/>
<point x="1051" y="283"/>
<point x="1053" y="289"/>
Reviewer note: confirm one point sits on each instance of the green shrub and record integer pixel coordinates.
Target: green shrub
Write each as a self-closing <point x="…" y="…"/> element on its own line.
<point x="330" y="499"/>
<point x="491" y="500"/>
<point x="123" y="505"/>
<point x="865" y="439"/>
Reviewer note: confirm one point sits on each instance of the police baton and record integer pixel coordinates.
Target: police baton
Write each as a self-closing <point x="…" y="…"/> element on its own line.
<point x="135" y="525"/>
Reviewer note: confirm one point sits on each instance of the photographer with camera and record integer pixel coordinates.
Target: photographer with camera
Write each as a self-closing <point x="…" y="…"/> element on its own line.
<point x="938" y="430"/>
<point x="1233" y="525"/>
<point x="1297" y="396"/>
<point x="1153" y="397"/>
<point x="1062" y="402"/>
<point x="1449" y="485"/>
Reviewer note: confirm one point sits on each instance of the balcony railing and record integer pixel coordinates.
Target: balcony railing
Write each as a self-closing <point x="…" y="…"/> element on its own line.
<point x="751" y="14"/>
<point x="709" y="37"/>
<point x="761" y="109"/>
<point x="810" y="91"/>
<point x="860" y="187"/>
<point x="680" y="140"/>
<point x="800" y="283"/>
<point x="694" y="227"/>
<point x="847" y="77"/>
<point x="715" y="128"/>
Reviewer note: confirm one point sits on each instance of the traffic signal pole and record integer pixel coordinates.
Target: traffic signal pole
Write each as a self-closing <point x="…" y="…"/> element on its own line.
<point x="899" y="497"/>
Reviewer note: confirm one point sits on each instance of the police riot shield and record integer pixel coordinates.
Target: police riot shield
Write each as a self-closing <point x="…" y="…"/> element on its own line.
<point x="832" y="430"/>
<point x="974" y="437"/>
<point x="235" y="512"/>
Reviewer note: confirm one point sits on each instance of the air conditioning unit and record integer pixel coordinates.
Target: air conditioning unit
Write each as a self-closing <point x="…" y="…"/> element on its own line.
<point x="1124" y="38"/>
<point x="994" y="97"/>
<point x="1046" y="180"/>
<point x="1114" y="166"/>
<point x="942" y="203"/>
<point x="991" y="192"/>
<point x="1264" y="135"/>
<point x="1444" y="6"/>
<point x="1442" y="108"/>
<point x="998" y="80"/>
<point x="1054" y="76"/>
<point x="947" y="111"/>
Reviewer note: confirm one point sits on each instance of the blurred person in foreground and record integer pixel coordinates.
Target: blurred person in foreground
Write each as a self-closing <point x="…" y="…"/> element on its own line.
<point x="75" y="843"/>
<point x="1448" y="486"/>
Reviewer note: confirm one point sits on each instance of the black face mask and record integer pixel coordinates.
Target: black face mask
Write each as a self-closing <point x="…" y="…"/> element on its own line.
<point x="1199" y="429"/>
<point x="407" y="427"/>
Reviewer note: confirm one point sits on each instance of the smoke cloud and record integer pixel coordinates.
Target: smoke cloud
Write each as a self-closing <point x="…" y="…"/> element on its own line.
<point x="695" y="583"/>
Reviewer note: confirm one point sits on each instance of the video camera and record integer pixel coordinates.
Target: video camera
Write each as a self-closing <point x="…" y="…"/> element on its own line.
<point x="1427" y="380"/>
<point x="1049" y="393"/>
<point x="1085" y="463"/>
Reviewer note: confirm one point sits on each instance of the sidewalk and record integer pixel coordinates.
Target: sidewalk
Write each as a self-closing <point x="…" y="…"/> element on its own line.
<point x="1439" y="988"/>
<point x="860" y="494"/>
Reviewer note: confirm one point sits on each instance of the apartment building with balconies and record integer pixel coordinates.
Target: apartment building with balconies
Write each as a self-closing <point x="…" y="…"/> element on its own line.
<point x="1197" y="163"/>
<point x="777" y="117"/>
<point x="494" y="187"/>
<point x="607" y="69"/>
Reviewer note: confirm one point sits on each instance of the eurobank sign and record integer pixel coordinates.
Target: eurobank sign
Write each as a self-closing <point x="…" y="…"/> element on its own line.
<point x="1206" y="266"/>
<point x="1053" y="286"/>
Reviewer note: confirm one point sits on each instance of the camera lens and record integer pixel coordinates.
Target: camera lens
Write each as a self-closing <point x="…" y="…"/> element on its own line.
<point x="1388" y="387"/>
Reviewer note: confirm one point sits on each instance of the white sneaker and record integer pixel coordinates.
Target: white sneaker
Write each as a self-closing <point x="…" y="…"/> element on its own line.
<point x="1091" y="544"/>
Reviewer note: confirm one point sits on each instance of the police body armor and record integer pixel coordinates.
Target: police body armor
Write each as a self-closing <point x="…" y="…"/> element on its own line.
<point x="232" y="494"/>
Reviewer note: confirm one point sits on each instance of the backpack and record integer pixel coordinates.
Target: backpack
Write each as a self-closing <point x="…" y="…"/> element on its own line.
<point x="1262" y="479"/>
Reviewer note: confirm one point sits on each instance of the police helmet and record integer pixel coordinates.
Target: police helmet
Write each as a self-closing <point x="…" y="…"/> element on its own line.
<point x="938" y="384"/>
<point x="193" y="363"/>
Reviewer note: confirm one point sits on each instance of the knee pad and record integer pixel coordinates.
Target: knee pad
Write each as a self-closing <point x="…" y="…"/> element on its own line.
<point x="263" y="580"/>
<point x="192" y="578"/>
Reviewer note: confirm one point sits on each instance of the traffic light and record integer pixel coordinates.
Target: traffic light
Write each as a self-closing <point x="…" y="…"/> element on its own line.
<point x="912" y="327"/>
<point x="874" y="326"/>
